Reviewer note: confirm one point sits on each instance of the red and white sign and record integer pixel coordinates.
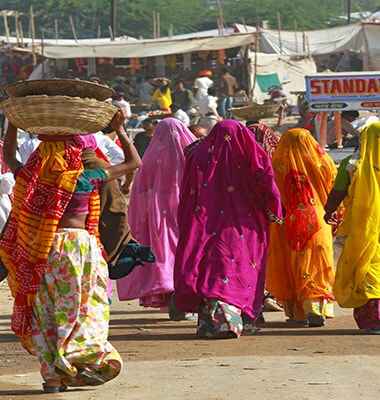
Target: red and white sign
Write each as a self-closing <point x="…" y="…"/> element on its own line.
<point x="343" y="91"/>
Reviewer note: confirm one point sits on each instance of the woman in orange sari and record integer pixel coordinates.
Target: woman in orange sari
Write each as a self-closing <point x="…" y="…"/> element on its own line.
<point x="300" y="264"/>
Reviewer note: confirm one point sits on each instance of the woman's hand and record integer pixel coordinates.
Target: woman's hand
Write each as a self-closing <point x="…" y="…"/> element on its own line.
<point x="331" y="218"/>
<point x="117" y="123"/>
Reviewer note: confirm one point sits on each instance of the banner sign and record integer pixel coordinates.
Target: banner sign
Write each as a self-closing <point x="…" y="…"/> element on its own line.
<point x="343" y="91"/>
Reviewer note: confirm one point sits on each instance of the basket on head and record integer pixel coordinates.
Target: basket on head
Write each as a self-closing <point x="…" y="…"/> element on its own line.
<point x="60" y="87"/>
<point x="58" y="115"/>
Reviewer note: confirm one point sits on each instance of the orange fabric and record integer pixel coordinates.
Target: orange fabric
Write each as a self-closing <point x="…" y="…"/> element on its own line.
<point x="300" y="262"/>
<point x="42" y="192"/>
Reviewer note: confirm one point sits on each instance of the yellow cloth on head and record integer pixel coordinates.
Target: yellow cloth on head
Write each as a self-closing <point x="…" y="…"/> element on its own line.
<point x="358" y="271"/>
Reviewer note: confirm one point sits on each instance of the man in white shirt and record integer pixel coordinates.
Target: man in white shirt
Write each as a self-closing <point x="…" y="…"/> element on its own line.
<point x="28" y="144"/>
<point x="109" y="148"/>
<point x="202" y="84"/>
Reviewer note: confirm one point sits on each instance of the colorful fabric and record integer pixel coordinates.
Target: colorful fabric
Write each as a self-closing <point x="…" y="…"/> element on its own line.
<point x="300" y="262"/>
<point x="163" y="99"/>
<point x="43" y="190"/>
<point x="153" y="213"/>
<point x="71" y="313"/>
<point x="368" y="316"/>
<point x="358" y="270"/>
<point x="218" y="320"/>
<point x="227" y="192"/>
<point x="266" y="137"/>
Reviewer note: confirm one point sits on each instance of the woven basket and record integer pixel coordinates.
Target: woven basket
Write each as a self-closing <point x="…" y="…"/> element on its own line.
<point x="58" y="115"/>
<point x="59" y="87"/>
<point x="255" y="111"/>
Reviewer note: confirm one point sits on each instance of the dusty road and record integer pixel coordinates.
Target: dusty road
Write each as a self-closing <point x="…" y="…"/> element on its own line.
<point x="165" y="361"/>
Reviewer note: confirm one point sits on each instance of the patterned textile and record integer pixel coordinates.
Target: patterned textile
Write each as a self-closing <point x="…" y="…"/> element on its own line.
<point x="71" y="313"/>
<point x="368" y="316"/>
<point x="300" y="262"/>
<point x="267" y="138"/>
<point x="226" y="193"/>
<point x="218" y="320"/>
<point x="44" y="187"/>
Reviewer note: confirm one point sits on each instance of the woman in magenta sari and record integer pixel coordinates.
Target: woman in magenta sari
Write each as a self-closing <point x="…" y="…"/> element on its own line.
<point x="228" y="197"/>
<point x="152" y="214"/>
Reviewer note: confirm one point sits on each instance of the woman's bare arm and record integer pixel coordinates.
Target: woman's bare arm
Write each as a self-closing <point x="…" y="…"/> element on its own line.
<point x="132" y="159"/>
<point x="10" y="148"/>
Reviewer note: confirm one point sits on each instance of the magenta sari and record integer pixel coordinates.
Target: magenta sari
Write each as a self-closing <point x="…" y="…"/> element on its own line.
<point x="228" y="197"/>
<point x="152" y="213"/>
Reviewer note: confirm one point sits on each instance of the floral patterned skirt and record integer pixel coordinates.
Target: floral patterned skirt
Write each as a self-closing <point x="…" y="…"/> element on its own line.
<point x="219" y="320"/>
<point x="71" y="314"/>
<point x="368" y="316"/>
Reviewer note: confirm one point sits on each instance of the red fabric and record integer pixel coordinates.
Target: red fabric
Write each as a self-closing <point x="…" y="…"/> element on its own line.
<point x="301" y="221"/>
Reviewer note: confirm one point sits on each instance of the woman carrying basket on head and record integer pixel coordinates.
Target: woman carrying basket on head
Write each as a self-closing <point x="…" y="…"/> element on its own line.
<point x="57" y="274"/>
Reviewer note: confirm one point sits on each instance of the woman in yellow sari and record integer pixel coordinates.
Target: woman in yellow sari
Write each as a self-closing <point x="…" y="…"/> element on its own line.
<point x="357" y="282"/>
<point x="300" y="264"/>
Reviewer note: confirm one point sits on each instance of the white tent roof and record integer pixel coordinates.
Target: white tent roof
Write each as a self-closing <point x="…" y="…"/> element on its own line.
<point x="318" y="42"/>
<point x="146" y="48"/>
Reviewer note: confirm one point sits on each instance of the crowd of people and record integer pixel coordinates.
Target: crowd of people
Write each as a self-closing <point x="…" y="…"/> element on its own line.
<point x="198" y="222"/>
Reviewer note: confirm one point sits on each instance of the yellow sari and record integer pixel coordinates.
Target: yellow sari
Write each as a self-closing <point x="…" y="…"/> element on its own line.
<point x="358" y="271"/>
<point x="300" y="264"/>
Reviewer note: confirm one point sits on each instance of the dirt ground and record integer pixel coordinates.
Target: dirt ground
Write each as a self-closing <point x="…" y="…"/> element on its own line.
<point x="163" y="359"/>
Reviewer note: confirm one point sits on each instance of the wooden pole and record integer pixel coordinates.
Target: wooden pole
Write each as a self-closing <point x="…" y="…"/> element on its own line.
<point x="6" y="27"/>
<point x="111" y="32"/>
<point x="338" y="128"/>
<point x="56" y="30"/>
<point x="43" y="51"/>
<point x="279" y="31"/>
<point x="33" y="34"/>
<point x="296" y="35"/>
<point x="154" y="25"/>
<point x="221" y="15"/>
<point x="113" y="22"/>
<point x="349" y="8"/>
<point x="158" y="25"/>
<point x="21" y="30"/>
<point x="73" y="28"/>
<point x="16" y="28"/>
<point x="323" y="130"/>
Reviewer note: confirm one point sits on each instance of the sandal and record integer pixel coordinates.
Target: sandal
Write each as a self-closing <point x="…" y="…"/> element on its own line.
<point x="53" y="389"/>
<point x="315" y="320"/>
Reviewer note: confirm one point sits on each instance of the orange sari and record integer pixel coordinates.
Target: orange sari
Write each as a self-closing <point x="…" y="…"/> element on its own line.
<point x="300" y="270"/>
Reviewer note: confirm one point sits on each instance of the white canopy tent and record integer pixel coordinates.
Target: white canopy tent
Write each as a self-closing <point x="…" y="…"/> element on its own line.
<point x="145" y="48"/>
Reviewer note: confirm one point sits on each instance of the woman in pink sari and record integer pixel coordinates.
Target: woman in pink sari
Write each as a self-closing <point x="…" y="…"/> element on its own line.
<point x="153" y="214"/>
<point x="228" y="197"/>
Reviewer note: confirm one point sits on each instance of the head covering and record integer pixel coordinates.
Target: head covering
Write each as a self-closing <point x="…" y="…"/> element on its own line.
<point x="265" y="136"/>
<point x="228" y="196"/>
<point x="205" y="73"/>
<point x="305" y="175"/>
<point x="42" y="192"/>
<point x="153" y="209"/>
<point x="300" y="266"/>
<point x="358" y="271"/>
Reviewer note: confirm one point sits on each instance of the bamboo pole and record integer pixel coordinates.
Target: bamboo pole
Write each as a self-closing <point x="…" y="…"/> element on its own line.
<point x="16" y="28"/>
<point x="338" y="128"/>
<point x="154" y="25"/>
<point x="33" y="34"/>
<point x="56" y="30"/>
<point x="158" y="25"/>
<point x="279" y="31"/>
<point x="6" y="27"/>
<point x="21" y="31"/>
<point x="73" y="28"/>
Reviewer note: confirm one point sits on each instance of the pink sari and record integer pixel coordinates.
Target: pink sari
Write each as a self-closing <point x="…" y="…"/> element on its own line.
<point x="228" y="198"/>
<point x="152" y="213"/>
